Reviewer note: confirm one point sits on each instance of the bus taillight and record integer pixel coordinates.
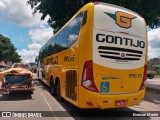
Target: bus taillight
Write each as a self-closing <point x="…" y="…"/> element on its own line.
<point x="95" y="3"/>
<point x="144" y="78"/>
<point x="87" y="80"/>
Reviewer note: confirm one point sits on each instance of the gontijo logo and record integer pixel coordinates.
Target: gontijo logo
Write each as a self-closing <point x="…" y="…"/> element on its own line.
<point x="122" y="19"/>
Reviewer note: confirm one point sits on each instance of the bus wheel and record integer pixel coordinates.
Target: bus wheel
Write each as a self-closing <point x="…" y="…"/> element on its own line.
<point x="52" y="87"/>
<point x="58" y="91"/>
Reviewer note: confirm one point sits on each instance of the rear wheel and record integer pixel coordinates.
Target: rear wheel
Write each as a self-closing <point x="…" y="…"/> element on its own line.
<point x="30" y="92"/>
<point x="52" y="87"/>
<point x="58" y="91"/>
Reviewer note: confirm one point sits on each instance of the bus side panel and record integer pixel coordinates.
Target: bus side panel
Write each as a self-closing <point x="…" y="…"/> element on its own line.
<point x="64" y="69"/>
<point x="69" y="71"/>
<point x="62" y="53"/>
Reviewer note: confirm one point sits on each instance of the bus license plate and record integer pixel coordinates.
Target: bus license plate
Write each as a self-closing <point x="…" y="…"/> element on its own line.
<point x="120" y="102"/>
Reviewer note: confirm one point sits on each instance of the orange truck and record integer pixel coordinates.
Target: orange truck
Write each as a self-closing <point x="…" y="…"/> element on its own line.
<point x="16" y="79"/>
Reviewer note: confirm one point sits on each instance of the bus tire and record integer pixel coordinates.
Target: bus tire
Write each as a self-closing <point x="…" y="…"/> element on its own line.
<point x="52" y="87"/>
<point x="58" y="90"/>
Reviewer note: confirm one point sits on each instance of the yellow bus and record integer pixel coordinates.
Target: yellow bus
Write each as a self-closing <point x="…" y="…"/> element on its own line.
<point x="98" y="58"/>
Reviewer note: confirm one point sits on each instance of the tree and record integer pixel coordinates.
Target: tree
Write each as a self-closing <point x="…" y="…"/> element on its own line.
<point x="153" y="65"/>
<point x="60" y="11"/>
<point x="8" y="51"/>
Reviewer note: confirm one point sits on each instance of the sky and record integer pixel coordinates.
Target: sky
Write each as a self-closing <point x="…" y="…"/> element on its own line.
<point x="28" y="33"/>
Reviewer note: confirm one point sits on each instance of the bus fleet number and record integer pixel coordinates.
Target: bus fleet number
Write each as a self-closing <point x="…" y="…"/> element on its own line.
<point x="68" y="58"/>
<point x="135" y="75"/>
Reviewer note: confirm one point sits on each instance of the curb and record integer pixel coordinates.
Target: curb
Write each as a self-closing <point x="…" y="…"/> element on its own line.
<point x="154" y="90"/>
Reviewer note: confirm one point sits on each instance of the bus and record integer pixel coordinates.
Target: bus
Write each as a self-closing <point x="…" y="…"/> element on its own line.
<point x="98" y="58"/>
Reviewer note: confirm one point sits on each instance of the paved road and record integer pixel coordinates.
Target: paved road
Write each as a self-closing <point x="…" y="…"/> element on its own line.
<point x="153" y="83"/>
<point x="41" y="100"/>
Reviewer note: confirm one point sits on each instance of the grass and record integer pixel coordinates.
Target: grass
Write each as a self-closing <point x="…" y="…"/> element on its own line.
<point x="157" y="76"/>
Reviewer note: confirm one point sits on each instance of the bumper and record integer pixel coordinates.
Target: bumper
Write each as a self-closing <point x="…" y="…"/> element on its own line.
<point x="96" y="100"/>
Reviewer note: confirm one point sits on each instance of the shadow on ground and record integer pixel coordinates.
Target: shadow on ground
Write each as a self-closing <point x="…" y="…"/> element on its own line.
<point x="16" y="96"/>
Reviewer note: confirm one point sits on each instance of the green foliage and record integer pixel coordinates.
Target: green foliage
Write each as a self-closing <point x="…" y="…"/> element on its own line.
<point x="51" y="49"/>
<point x="60" y="11"/>
<point x="8" y="51"/>
<point x="158" y="72"/>
<point x="154" y="65"/>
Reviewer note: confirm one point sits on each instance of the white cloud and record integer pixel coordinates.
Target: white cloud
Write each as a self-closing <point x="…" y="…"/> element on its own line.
<point x="75" y="21"/>
<point x="34" y="46"/>
<point x="153" y="53"/>
<point x="19" y="12"/>
<point x="64" y="45"/>
<point x="41" y="35"/>
<point x="72" y="38"/>
<point x="154" y="34"/>
<point x="154" y="43"/>
<point x="28" y="55"/>
<point x="2" y="5"/>
<point x="72" y="23"/>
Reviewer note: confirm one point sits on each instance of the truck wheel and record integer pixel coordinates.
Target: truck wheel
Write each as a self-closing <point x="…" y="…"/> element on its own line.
<point x="30" y="92"/>
<point x="52" y="87"/>
<point x="30" y="84"/>
<point x="58" y="91"/>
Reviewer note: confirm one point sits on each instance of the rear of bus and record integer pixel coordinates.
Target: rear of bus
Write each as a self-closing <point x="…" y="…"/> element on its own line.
<point x="115" y="75"/>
